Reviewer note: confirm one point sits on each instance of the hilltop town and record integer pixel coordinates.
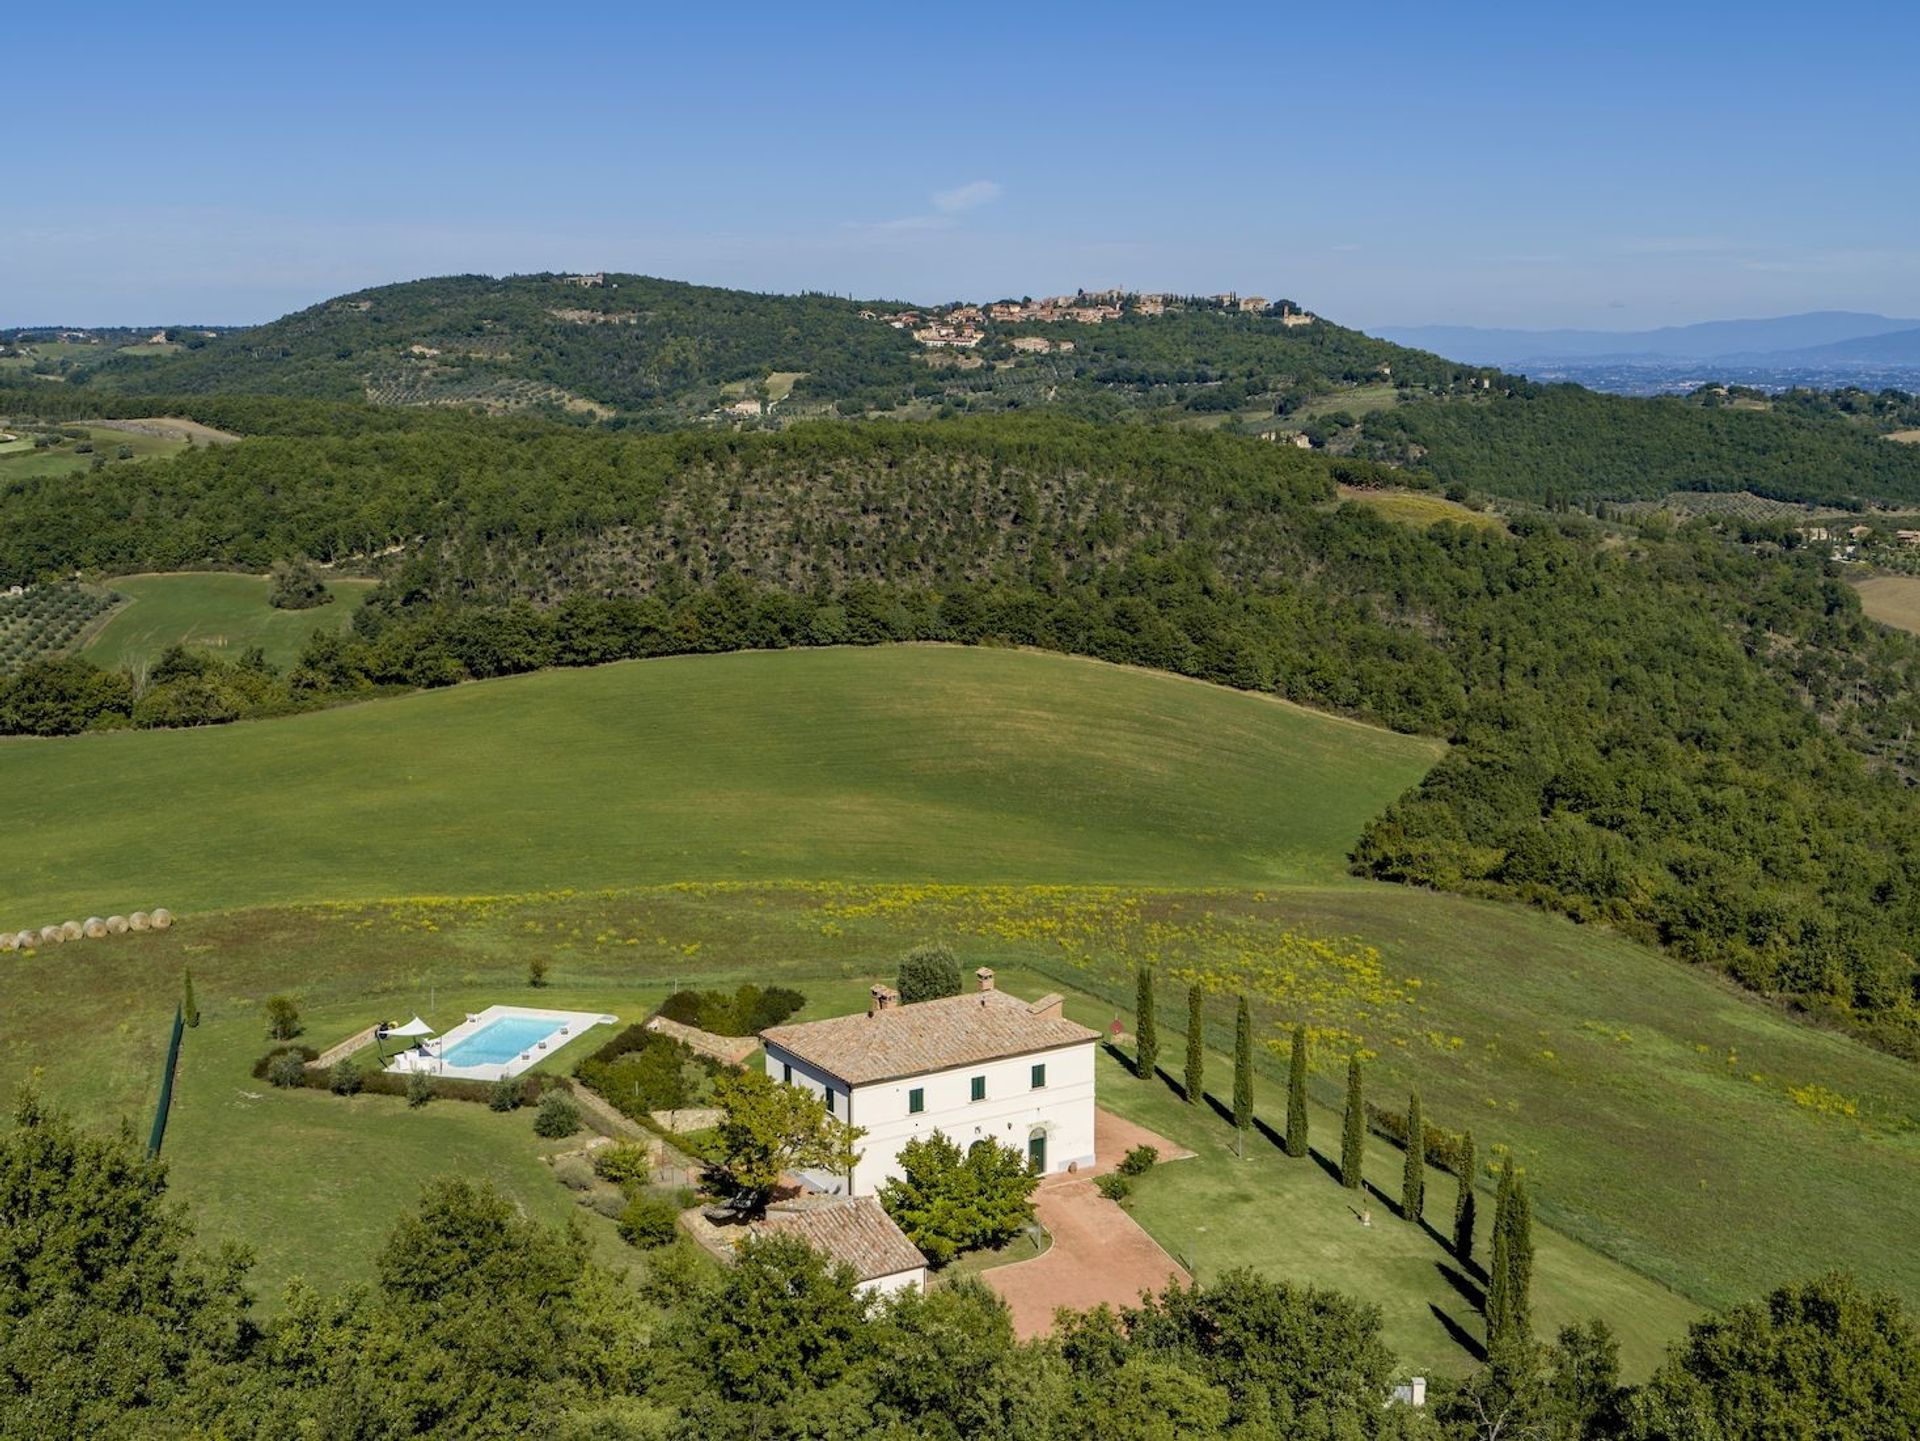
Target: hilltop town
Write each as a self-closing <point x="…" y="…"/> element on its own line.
<point x="963" y="325"/>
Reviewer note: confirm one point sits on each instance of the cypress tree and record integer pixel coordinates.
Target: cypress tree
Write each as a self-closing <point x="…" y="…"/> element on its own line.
<point x="1147" y="1036"/>
<point x="1243" y="1074"/>
<point x="1498" y="1278"/>
<point x="189" y="1008"/>
<point x="1196" y="1076"/>
<point x="1463" y="1207"/>
<point x="1413" y="1173"/>
<point x="1353" y="1141"/>
<point x="1297" y="1095"/>
<point x="1520" y="1264"/>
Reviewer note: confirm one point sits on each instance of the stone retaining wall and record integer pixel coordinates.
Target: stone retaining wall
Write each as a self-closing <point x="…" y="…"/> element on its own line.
<point x="340" y="1052"/>
<point x="729" y="1050"/>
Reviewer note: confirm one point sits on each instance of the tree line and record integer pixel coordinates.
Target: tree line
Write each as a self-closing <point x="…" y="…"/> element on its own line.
<point x="481" y="1323"/>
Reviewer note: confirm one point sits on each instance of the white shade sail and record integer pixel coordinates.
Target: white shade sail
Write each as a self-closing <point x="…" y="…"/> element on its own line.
<point x="415" y="1027"/>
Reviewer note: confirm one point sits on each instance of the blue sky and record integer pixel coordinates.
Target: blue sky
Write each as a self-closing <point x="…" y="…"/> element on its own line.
<point x="1613" y="166"/>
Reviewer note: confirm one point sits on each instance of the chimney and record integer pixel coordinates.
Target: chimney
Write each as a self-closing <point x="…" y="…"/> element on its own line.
<point x="882" y="998"/>
<point x="985" y="976"/>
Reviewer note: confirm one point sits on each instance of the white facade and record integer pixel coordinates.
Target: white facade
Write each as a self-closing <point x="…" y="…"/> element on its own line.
<point x="914" y="1280"/>
<point x="1051" y="1122"/>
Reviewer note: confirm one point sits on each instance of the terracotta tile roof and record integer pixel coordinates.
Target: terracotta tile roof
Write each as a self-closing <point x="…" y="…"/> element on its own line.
<point x="926" y="1036"/>
<point x="854" y="1229"/>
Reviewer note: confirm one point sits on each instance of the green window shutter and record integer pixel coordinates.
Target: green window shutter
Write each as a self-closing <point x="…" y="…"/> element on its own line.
<point x="979" y="1088"/>
<point x="1039" y="1077"/>
<point x="916" y="1101"/>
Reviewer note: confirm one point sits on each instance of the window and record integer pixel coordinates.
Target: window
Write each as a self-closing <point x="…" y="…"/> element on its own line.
<point x="1039" y="1078"/>
<point x="829" y="1094"/>
<point x="786" y="1072"/>
<point x="979" y="1088"/>
<point x="916" y="1100"/>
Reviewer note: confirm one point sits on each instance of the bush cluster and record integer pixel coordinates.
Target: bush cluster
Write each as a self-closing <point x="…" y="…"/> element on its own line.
<point x="743" y="1012"/>
<point x="639" y="1072"/>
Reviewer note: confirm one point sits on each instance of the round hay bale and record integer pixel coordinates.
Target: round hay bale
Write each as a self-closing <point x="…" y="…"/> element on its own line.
<point x="52" y="935"/>
<point x="116" y="925"/>
<point x="26" y="940"/>
<point x="71" y="931"/>
<point x="94" y="928"/>
<point x="139" y="921"/>
<point x="9" y="941"/>
<point x="161" y="918"/>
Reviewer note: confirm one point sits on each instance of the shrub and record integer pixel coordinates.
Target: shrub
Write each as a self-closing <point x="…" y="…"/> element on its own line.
<point x="419" y="1088"/>
<point x="297" y="587"/>
<point x="537" y="968"/>
<point x="1139" y="1160"/>
<point x="1114" y="1186"/>
<point x="649" y="1222"/>
<point x="558" y="1116"/>
<point x="283" y="1018"/>
<point x="504" y="1094"/>
<point x="287" y="1069"/>
<point x="626" y="1164"/>
<point x="573" y="1172"/>
<point x="608" y="1201"/>
<point x="345" y="1078"/>
<point x="927" y="973"/>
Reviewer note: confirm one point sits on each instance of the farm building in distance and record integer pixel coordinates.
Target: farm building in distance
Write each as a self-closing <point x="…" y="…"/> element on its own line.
<point x="980" y="1066"/>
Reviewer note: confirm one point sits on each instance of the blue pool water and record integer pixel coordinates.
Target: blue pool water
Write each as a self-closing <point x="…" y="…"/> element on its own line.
<point x="499" y="1041"/>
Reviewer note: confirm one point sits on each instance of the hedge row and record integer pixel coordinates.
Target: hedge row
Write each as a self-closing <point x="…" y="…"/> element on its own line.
<point x="533" y="1085"/>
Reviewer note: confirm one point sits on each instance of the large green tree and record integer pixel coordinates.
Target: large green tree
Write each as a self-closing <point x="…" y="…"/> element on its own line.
<point x="1146" y="1030"/>
<point x="927" y="973"/>
<point x="1297" y="1094"/>
<point x="948" y="1201"/>
<point x="1353" y="1135"/>
<point x="1413" y="1174"/>
<point x="1194" y="1079"/>
<point x="767" y="1128"/>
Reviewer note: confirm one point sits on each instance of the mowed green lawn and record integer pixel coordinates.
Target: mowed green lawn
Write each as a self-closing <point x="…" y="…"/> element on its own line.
<point x="804" y="817"/>
<point x="214" y="611"/>
<point x="897" y="763"/>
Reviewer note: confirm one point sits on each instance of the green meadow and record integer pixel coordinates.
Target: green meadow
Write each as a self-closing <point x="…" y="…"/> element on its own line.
<point x="25" y="462"/>
<point x="804" y="817"/>
<point x="216" y="611"/>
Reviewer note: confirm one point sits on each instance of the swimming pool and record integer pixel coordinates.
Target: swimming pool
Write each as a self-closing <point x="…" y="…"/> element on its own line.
<point x="500" y="1041"/>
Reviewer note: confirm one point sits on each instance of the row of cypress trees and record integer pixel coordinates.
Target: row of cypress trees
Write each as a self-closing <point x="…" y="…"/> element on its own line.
<point x="1510" y="1274"/>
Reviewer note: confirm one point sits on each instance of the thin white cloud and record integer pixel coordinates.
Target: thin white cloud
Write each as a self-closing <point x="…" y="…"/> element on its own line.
<point x="970" y="196"/>
<point x="946" y="207"/>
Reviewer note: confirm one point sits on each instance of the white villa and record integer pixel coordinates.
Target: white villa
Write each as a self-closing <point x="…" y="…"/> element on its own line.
<point x="985" y="1065"/>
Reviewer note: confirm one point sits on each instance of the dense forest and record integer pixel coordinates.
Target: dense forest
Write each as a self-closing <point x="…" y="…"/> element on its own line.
<point x="1702" y="743"/>
<point x="1561" y="444"/>
<point x="482" y="1323"/>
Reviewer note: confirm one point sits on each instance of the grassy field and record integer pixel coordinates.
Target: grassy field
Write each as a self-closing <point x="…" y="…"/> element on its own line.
<point x="1892" y="600"/>
<point x="1420" y="508"/>
<point x="1905" y="437"/>
<point x="805" y="818"/>
<point x="917" y="762"/>
<point x="214" y="611"/>
<point x="26" y="463"/>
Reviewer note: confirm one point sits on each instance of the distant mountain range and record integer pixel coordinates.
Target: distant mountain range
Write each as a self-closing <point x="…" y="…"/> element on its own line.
<point x="1816" y="336"/>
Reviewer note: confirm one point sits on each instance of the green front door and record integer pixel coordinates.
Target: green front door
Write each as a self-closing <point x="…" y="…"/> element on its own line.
<point x="1037" y="1153"/>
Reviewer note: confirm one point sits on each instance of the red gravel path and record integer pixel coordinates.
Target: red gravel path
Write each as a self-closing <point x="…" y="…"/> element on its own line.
<point x="1099" y="1252"/>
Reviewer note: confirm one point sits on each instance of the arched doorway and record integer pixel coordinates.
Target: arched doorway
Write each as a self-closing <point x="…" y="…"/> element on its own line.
<point x="1037" y="1150"/>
